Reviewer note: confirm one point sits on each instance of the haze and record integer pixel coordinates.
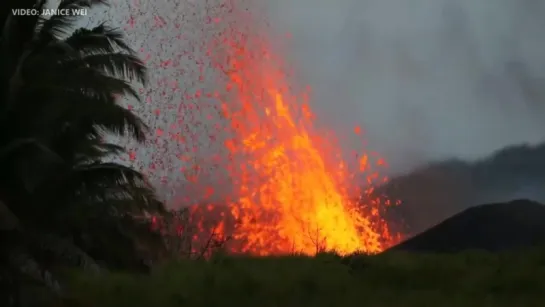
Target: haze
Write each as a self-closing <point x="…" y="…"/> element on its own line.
<point x="428" y="79"/>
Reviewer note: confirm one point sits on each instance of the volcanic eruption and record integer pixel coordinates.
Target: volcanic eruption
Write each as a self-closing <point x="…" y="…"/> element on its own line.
<point x="293" y="190"/>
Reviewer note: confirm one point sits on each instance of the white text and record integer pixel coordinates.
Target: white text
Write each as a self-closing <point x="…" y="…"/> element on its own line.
<point x="49" y="12"/>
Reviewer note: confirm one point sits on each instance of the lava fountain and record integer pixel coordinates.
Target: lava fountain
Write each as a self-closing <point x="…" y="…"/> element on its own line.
<point x="295" y="193"/>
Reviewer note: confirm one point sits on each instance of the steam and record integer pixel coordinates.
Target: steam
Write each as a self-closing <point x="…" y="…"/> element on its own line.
<point x="428" y="79"/>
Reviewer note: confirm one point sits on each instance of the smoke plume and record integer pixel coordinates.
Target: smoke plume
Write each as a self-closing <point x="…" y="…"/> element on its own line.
<point x="428" y="79"/>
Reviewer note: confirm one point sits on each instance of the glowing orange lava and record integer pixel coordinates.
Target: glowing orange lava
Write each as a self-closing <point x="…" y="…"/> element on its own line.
<point x="295" y="194"/>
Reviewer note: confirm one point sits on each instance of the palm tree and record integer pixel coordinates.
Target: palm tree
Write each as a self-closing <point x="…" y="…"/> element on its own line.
<point x="59" y="96"/>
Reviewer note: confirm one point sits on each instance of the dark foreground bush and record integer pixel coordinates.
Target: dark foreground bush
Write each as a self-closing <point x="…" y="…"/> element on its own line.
<point x="393" y="279"/>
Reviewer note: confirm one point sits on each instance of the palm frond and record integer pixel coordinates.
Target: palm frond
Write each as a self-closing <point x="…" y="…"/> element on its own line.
<point x="78" y="4"/>
<point x="77" y="86"/>
<point x="112" y="171"/>
<point x="100" y="39"/>
<point x="85" y="113"/>
<point x="82" y="147"/>
<point x="121" y="65"/>
<point x="92" y="153"/>
<point x="128" y="201"/>
<point x="58" y="27"/>
<point x="119" y="121"/>
<point x="82" y="80"/>
<point x="109" y="181"/>
<point x="53" y="29"/>
<point x="108" y="149"/>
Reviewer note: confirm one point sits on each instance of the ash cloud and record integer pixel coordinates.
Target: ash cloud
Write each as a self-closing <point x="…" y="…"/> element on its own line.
<point x="428" y="79"/>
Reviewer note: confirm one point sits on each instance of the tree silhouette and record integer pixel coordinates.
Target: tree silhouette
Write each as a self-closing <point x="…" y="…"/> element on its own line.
<point x="60" y="89"/>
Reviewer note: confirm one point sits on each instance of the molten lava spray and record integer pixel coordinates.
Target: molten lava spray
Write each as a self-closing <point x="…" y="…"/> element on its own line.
<point x="293" y="191"/>
<point x="292" y="184"/>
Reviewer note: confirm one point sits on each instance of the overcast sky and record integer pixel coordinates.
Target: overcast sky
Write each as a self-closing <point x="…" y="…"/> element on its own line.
<point x="427" y="79"/>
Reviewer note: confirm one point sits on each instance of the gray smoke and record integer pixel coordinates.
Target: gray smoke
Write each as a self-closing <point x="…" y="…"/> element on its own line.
<point x="428" y="79"/>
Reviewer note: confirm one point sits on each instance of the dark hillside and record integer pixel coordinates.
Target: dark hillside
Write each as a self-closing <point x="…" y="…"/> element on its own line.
<point x="514" y="225"/>
<point x="439" y="190"/>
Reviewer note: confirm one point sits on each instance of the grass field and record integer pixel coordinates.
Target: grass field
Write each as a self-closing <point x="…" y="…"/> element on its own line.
<point x="395" y="279"/>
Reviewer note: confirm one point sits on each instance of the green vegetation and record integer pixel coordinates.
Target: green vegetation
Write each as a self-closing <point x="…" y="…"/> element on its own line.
<point x="394" y="279"/>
